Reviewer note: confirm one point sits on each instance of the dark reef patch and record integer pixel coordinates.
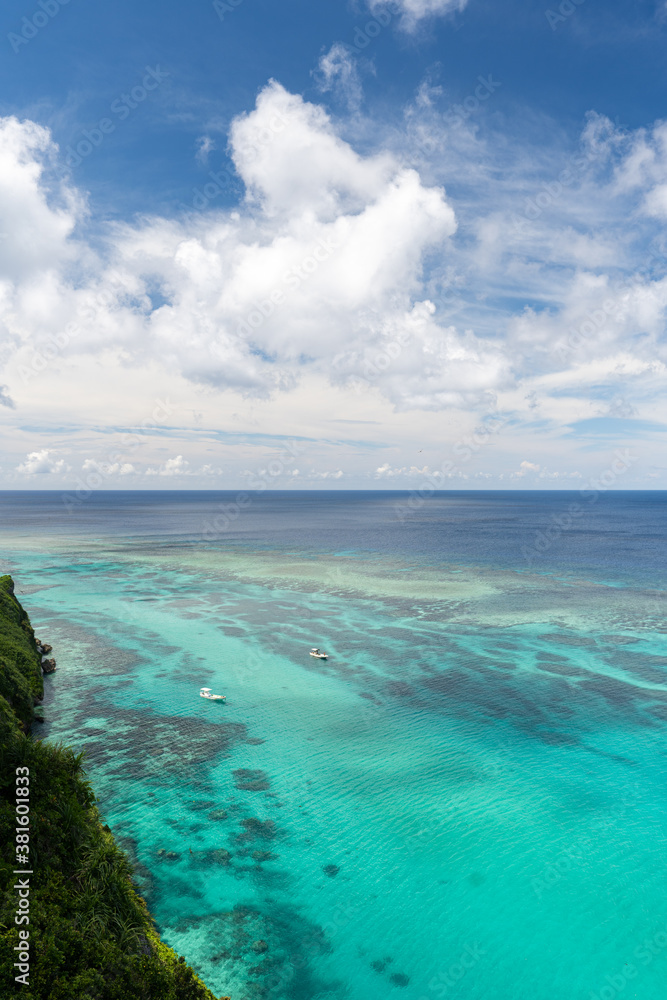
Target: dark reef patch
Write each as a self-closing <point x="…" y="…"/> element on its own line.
<point x="213" y="856"/>
<point x="399" y="979"/>
<point x="217" y="815"/>
<point x="261" y="856"/>
<point x="153" y="747"/>
<point x="570" y="640"/>
<point x="399" y="689"/>
<point x="273" y="948"/>
<point x="257" y="829"/>
<point x="380" y="964"/>
<point x="247" y="780"/>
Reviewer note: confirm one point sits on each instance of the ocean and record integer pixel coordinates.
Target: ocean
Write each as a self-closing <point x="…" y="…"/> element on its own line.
<point x="468" y="799"/>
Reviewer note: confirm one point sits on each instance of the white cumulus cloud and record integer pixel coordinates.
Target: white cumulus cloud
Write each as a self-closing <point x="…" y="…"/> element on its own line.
<point x="328" y="253"/>
<point x="42" y="463"/>
<point x="177" y="466"/>
<point x="110" y="469"/>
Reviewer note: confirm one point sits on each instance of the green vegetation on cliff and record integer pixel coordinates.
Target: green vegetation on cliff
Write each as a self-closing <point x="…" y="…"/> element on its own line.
<point x="20" y="673"/>
<point x="91" y="935"/>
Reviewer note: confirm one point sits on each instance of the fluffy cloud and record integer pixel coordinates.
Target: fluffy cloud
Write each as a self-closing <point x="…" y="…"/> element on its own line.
<point x="172" y="467"/>
<point x="544" y="297"/>
<point x="328" y="254"/>
<point x="42" y="463"/>
<point x="527" y="467"/>
<point x="36" y="230"/>
<point x="110" y="469"/>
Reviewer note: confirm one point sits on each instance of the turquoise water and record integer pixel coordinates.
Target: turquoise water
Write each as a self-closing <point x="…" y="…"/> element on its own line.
<point x="467" y="800"/>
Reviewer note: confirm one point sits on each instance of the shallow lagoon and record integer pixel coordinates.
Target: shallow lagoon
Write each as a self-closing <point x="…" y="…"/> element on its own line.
<point x="466" y="800"/>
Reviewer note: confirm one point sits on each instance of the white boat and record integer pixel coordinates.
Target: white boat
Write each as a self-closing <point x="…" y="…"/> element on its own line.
<point x="206" y="693"/>
<point x="318" y="654"/>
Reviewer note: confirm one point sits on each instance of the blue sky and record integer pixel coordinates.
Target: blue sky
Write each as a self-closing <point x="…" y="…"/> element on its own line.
<point x="605" y="57"/>
<point x="482" y="190"/>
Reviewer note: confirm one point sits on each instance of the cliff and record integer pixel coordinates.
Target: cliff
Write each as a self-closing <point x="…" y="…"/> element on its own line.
<point x="72" y="914"/>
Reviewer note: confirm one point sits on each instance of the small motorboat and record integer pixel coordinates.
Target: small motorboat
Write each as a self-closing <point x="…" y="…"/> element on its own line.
<point x="206" y="693"/>
<point x="318" y="654"/>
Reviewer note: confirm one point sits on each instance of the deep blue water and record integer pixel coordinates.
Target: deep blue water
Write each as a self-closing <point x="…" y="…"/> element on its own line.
<point x="621" y="533"/>
<point x="466" y="800"/>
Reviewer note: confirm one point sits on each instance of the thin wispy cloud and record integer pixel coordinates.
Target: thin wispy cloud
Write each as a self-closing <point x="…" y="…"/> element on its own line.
<point x="414" y="11"/>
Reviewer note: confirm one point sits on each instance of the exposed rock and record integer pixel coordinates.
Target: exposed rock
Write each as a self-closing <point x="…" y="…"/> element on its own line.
<point x="144" y="945"/>
<point x="49" y="666"/>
